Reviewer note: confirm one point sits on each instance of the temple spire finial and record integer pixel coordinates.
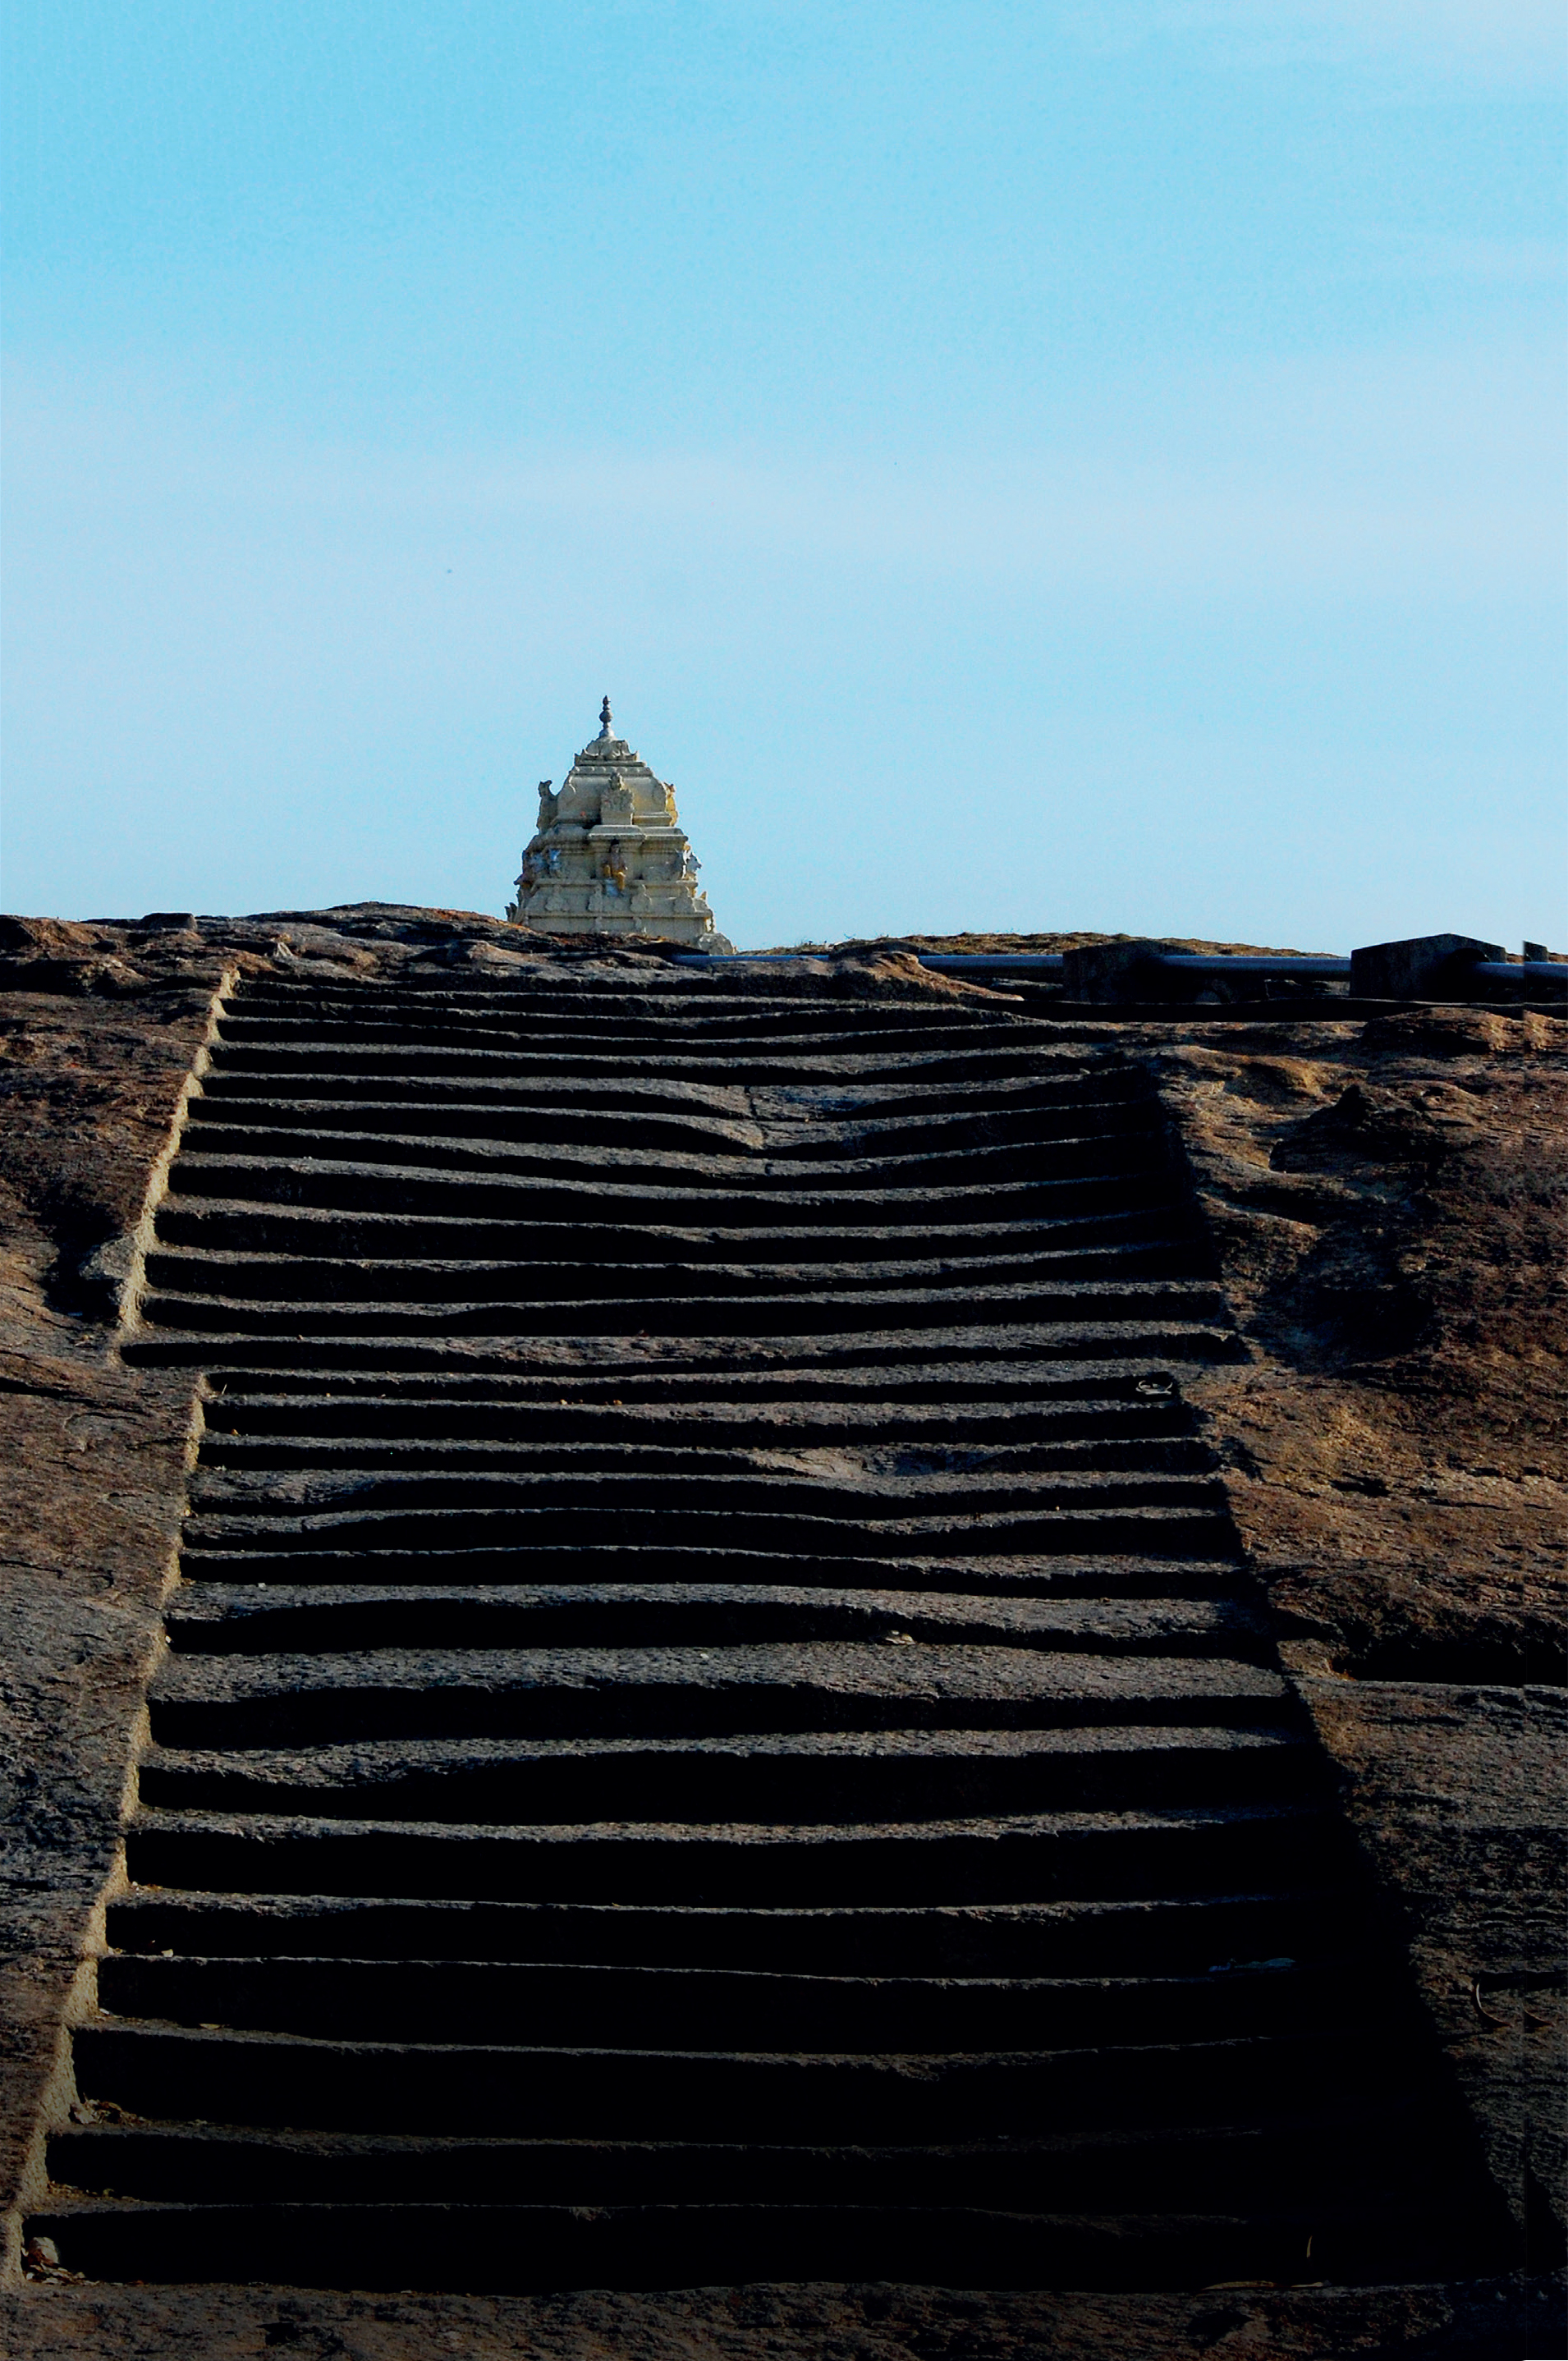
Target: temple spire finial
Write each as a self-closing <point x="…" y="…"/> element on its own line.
<point x="606" y="727"/>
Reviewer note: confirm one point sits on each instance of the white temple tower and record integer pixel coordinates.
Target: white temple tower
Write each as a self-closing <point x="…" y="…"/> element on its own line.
<point x="608" y="858"/>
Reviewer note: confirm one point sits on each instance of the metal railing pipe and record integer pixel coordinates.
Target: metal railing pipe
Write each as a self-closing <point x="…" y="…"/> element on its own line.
<point x="1252" y="963"/>
<point x="1522" y="971"/>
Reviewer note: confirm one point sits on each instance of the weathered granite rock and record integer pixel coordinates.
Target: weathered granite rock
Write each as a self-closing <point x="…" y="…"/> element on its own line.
<point x="1389" y="1207"/>
<point x="93" y="1070"/>
<point x="608" y="857"/>
<point x="1386" y="1201"/>
<point x="1489" y="2319"/>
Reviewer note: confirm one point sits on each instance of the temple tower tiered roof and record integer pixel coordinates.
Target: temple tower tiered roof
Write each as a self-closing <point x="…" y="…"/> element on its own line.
<point x="608" y="856"/>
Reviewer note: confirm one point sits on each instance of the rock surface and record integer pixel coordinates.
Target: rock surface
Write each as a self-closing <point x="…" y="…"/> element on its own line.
<point x="1389" y="1207"/>
<point x="1386" y="1201"/>
<point x="1502" y="2319"/>
<point x="94" y="1061"/>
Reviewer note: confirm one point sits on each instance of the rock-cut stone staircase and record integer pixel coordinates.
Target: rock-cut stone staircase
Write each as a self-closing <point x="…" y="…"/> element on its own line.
<point x="713" y="1728"/>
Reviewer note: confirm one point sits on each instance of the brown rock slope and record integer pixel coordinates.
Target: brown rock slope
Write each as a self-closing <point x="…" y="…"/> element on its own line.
<point x="1389" y="1204"/>
<point x="94" y="1053"/>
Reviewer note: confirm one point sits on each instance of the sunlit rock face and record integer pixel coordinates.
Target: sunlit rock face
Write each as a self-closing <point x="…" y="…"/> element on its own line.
<point x="608" y="857"/>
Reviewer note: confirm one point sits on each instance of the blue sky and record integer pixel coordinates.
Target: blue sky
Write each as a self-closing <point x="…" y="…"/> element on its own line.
<point x="1011" y="466"/>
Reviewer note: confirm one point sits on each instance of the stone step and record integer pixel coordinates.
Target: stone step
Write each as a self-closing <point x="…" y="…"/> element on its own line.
<point x="234" y="1227"/>
<point x="859" y="1484"/>
<point x="309" y="1700"/>
<point x="647" y="1041"/>
<point x="516" y="1413"/>
<point x="1194" y="1934"/>
<point x="335" y="1185"/>
<point x="698" y="2011"/>
<point x="692" y="994"/>
<point x="857" y="1379"/>
<point x="539" y="2091"/>
<point x="804" y="1780"/>
<point x="818" y="1543"/>
<point x="683" y="1448"/>
<point x="786" y="1031"/>
<point x="637" y="1017"/>
<point x="798" y="1136"/>
<point x="1146" y="1854"/>
<point x="563" y="1072"/>
<point x="219" y="1618"/>
<point x="207" y="1566"/>
<point x="836" y="1366"/>
<point x="1141" y="1360"/>
<point x="487" y="2248"/>
<point x="262" y="1279"/>
<point x="723" y="1056"/>
<point x="1223" y="2167"/>
<point x="744" y="1169"/>
<point x="675" y="1312"/>
<point x="1009" y="1097"/>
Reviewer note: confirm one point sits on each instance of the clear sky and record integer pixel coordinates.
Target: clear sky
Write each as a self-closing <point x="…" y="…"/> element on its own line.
<point x="1012" y="464"/>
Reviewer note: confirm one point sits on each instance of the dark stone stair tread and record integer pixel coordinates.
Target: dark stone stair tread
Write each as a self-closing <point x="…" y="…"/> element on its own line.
<point x="253" y="1361"/>
<point x="1143" y="1852"/>
<point x="216" y="1617"/>
<point x="808" y="1779"/>
<point x="825" y="1668"/>
<point x="372" y="1760"/>
<point x="216" y="1273"/>
<point x="1197" y="1933"/>
<point x="1059" y="1408"/>
<point x="791" y="1124"/>
<point x="544" y="1443"/>
<point x="697" y="2011"/>
<point x="784" y="1189"/>
<point x="483" y="2248"/>
<point x="301" y="2081"/>
<point x="1008" y="1095"/>
<point x="337" y="1184"/>
<point x="610" y="1569"/>
<point x="1132" y="1526"/>
<point x="607" y="1479"/>
<point x="732" y="1384"/>
<point x="316" y="1232"/>
<point x="212" y="2163"/>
